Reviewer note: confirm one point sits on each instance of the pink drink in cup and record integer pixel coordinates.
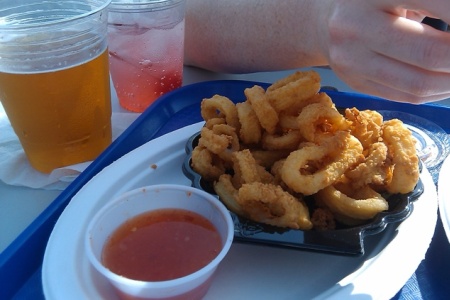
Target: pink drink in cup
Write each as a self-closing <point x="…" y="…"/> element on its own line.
<point x="146" y="48"/>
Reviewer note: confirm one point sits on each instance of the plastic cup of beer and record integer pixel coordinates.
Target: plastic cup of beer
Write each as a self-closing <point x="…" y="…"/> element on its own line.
<point x="54" y="78"/>
<point x="146" y="48"/>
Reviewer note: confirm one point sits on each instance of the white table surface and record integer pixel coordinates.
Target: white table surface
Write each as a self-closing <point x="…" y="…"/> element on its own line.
<point x="19" y="206"/>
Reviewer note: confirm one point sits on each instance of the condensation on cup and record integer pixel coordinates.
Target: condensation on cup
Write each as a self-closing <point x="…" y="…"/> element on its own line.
<point x="146" y="49"/>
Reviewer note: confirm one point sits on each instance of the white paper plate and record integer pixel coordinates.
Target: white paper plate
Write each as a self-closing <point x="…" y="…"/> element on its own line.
<point x="444" y="195"/>
<point x="248" y="271"/>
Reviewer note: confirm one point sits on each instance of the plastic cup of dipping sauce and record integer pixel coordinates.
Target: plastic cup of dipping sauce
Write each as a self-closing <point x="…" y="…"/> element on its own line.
<point x="146" y="49"/>
<point x="54" y="79"/>
<point x="160" y="242"/>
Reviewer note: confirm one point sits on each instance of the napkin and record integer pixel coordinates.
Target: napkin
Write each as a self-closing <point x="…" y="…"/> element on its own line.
<point x="16" y="170"/>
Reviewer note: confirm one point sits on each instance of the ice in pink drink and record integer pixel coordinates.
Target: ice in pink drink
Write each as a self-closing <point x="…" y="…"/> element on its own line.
<point x="145" y="63"/>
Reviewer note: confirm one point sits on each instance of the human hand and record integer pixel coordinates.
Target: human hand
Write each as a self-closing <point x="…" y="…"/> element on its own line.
<point x="380" y="47"/>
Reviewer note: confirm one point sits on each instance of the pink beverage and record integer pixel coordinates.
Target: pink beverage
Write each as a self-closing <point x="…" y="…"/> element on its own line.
<point x="146" y="48"/>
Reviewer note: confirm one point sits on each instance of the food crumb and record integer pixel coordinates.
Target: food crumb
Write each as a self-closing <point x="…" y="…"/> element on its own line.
<point x="323" y="219"/>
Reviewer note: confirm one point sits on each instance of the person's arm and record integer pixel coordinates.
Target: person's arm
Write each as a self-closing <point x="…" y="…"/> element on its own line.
<point x="240" y="36"/>
<point x="378" y="47"/>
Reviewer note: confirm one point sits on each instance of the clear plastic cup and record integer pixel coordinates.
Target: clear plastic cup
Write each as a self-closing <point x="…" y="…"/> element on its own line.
<point x="54" y="79"/>
<point x="151" y="198"/>
<point x="146" y="49"/>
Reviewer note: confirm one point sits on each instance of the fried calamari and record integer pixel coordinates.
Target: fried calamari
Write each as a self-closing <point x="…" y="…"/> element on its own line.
<point x="288" y="158"/>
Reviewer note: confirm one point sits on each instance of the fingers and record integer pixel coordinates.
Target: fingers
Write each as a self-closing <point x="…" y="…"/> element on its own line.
<point x="390" y="79"/>
<point x="382" y="91"/>
<point x="388" y="55"/>
<point x="414" y="43"/>
<point x="415" y="15"/>
<point x="439" y="9"/>
<point x="394" y="36"/>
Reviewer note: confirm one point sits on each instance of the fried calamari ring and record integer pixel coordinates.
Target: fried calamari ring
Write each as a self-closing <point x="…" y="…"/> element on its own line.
<point x="270" y="204"/>
<point x="315" y="167"/>
<point x="288" y="120"/>
<point x="214" y="121"/>
<point x="226" y="191"/>
<point x="287" y="92"/>
<point x="245" y="168"/>
<point x="207" y="164"/>
<point x="221" y="140"/>
<point x="286" y="141"/>
<point x="267" y="116"/>
<point x="275" y="170"/>
<point x="373" y="170"/>
<point x="402" y="149"/>
<point x="359" y="204"/>
<point x="317" y="120"/>
<point x="321" y="98"/>
<point x="267" y="158"/>
<point x="251" y="131"/>
<point x="220" y="106"/>
<point x="216" y="143"/>
<point x="365" y="125"/>
<point x="266" y="176"/>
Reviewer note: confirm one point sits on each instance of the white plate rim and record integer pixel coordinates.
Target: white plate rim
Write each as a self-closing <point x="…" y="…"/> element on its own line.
<point x="365" y="280"/>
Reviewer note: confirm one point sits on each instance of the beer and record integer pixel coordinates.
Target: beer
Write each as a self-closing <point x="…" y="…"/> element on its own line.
<point x="60" y="123"/>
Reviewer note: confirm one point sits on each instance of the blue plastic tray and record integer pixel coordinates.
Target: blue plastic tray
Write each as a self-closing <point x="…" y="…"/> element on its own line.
<point x="21" y="262"/>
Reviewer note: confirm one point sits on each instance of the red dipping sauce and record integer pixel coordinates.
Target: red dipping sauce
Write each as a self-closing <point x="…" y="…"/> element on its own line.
<point x="162" y="245"/>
